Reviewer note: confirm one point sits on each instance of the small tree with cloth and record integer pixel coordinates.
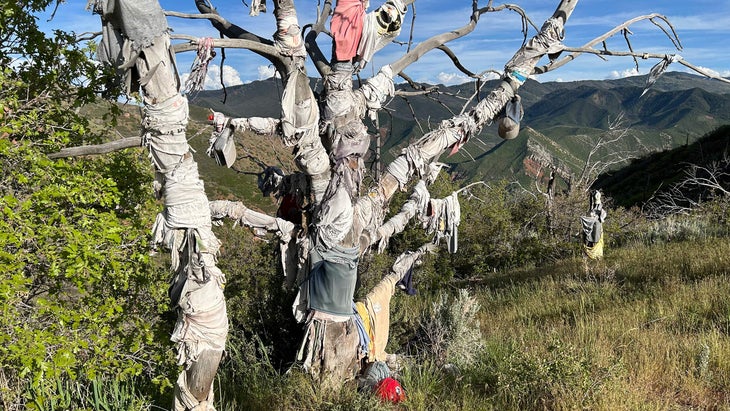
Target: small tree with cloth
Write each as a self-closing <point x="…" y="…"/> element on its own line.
<point x="592" y="229"/>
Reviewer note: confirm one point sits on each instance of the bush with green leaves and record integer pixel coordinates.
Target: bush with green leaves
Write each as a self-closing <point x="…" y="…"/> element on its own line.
<point x="44" y="80"/>
<point x="79" y="296"/>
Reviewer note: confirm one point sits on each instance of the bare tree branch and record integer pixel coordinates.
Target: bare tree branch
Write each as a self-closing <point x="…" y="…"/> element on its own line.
<point x="225" y="27"/>
<point x="456" y="61"/>
<point x="642" y="55"/>
<point x="267" y="50"/>
<point x="105" y="148"/>
<point x="588" y="47"/>
<point x="321" y="63"/>
<point x="591" y="169"/>
<point x="699" y="184"/>
<point x="232" y="31"/>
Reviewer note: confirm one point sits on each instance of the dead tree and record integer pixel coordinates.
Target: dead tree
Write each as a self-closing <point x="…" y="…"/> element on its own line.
<point x="612" y="157"/>
<point x="603" y="154"/>
<point x="341" y="220"/>
<point x="698" y="185"/>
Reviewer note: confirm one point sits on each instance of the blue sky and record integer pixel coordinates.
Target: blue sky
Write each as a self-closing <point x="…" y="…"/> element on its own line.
<point x="702" y="26"/>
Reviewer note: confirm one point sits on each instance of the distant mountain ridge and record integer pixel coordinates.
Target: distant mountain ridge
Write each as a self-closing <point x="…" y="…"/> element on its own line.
<point x="562" y="121"/>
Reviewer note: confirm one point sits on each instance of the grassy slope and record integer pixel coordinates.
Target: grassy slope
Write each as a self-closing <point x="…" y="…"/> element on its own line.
<point x="645" y="329"/>
<point x="628" y="335"/>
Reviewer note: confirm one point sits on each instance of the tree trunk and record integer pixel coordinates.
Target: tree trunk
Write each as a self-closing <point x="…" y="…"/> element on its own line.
<point x="184" y="225"/>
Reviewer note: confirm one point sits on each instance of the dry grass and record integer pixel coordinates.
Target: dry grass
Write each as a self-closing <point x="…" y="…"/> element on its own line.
<point x="649" y="327"/>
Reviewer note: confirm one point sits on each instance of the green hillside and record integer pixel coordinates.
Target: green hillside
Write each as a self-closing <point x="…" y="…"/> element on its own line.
<point x="563" y="120"/>
<point x="562" y="123"/>
<point x="643" y="177"/>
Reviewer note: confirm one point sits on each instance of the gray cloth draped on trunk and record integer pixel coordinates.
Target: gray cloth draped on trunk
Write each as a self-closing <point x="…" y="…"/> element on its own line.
<point x="331" y="282"/>
<point x="592" y="224"/>
<point x="127" y="28"/>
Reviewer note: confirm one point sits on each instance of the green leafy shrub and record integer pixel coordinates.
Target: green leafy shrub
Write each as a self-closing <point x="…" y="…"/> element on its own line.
<point x="78" y="295"/>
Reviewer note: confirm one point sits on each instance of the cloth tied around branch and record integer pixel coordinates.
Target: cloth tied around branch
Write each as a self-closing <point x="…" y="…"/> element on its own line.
<point x="257" y="6"/>
<point x="199" y="68"/>
<point x="380" y="27"/>
<point x="442" y="218"/>
<point x="222" y="147"/>
<point x="270" y="181"/>
<point x="659" y="69"/>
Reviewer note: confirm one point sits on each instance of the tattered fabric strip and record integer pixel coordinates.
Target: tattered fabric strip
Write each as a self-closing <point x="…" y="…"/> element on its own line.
<point x="379" y="28"/>
<point x="659" y="69"/>
<point x="199" y="68"/>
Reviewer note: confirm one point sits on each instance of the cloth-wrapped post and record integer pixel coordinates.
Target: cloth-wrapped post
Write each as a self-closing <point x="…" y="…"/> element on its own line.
<point x="592" y="228"/>
<point x="136" y="41"/>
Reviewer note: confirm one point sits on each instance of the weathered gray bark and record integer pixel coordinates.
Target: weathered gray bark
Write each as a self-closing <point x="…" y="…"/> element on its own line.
<point x="110" y="147"/>
<point x="137" y="40"/>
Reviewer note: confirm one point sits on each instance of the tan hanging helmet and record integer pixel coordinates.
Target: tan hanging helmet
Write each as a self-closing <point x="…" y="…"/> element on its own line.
<point x="508" y="129"/>
<point x="508" y="124"/>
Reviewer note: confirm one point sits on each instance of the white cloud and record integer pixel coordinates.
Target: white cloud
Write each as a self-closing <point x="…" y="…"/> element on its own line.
<point x="451" y="79"/>
<point x="231" y="76"/>
<point x="213" y="77"/>
<point x="615" y="74"/>
<point x="266" y="72"/>
<point x="702" y="22"/>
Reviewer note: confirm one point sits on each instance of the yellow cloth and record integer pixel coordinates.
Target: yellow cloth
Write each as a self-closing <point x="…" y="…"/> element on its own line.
<point x="377" y="303"/>
<point x="595" y="252"/>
